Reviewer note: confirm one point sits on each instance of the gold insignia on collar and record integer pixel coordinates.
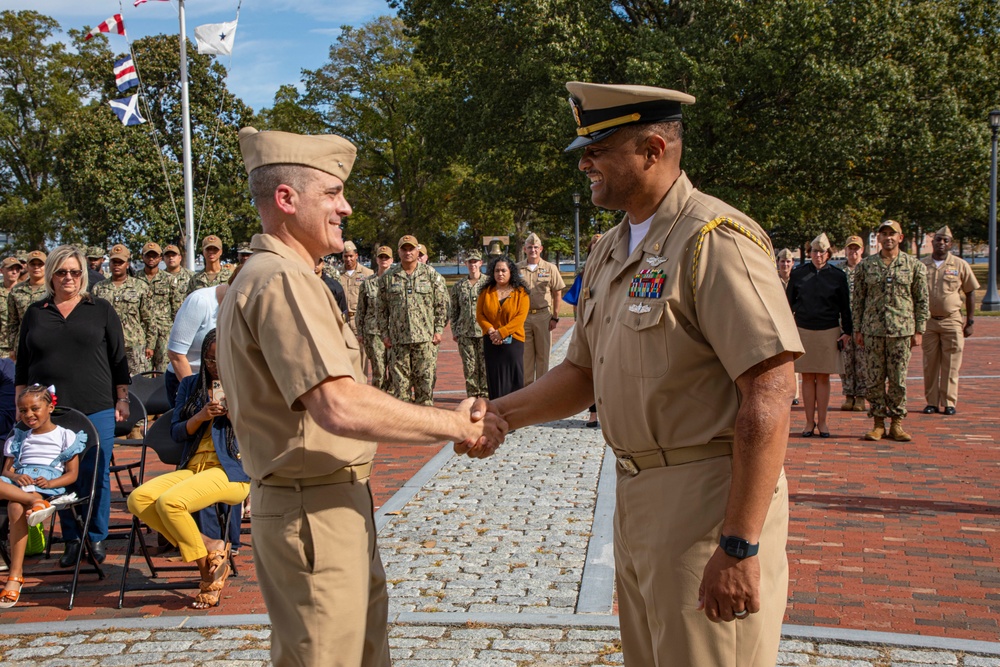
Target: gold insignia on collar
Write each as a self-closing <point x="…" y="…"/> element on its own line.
<point x="656" y="248"/>
<point x="655" y="261"/>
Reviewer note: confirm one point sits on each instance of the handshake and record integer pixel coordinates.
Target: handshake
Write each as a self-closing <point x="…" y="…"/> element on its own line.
<point x="484" y="431"/>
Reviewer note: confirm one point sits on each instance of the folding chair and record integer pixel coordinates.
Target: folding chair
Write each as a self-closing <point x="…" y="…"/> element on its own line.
<point x="151" y="390"/>
<point x="168" y="451"/>
<point x="136" y="414"/>
<point x="74" y="420"/>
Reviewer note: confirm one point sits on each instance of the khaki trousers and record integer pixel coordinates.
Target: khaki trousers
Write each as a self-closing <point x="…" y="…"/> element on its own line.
<point x="667" y="526"/>
<point x="537" y="345"/>
<point x="321" y="575"/>
<point x="943" y="344"/>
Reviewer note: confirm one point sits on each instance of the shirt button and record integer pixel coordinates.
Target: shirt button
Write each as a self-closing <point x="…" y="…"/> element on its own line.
<point x="600" y="402"/>
<point x="607" y="320"/>
<point x="602" y="360"/>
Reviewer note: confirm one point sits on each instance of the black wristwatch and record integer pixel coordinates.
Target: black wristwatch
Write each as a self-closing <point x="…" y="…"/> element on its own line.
<point x="737" y="547"/>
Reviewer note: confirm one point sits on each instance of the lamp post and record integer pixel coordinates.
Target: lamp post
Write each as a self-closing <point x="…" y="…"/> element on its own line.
<point x="576" y="231"/>
<point x="991" y="302"/>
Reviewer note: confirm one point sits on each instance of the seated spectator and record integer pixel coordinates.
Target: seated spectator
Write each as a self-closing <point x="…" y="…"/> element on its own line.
<point x="195" y="318"/>
<point x="210" y="472"/>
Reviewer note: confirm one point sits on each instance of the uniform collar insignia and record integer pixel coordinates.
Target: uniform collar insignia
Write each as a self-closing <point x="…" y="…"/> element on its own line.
<point x="655" y="261"/>
<point x="639" y="308"/>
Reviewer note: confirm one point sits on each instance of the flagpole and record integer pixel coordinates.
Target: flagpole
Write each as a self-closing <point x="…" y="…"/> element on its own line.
<point x="186" y="114"/>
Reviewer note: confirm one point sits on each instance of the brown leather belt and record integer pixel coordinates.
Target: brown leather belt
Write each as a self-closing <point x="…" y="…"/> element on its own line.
<point x="940" y="317"/>
<point x="342" y="476"/>
<point x="537" y="310"/>
<point x="633" y="465"/>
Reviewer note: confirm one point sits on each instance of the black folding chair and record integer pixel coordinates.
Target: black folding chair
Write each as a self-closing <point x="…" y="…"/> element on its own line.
<point x="151" y="390"/>
<point x="75" y="421"/>
<point x="168" y="451"/>
<point x="136" y="415"/>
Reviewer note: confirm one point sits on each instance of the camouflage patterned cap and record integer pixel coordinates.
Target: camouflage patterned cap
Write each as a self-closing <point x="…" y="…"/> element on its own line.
<point x="244" y="248"/>
<point x="473" y="256"/>
<point x="95" y="252"/>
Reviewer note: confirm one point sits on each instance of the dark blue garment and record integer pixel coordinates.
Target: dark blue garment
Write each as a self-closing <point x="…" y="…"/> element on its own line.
<point x="8" y="402"/>
<point x="572" y="297"/>
<point x="104" y="422"/>
<point x="178" y="430"/>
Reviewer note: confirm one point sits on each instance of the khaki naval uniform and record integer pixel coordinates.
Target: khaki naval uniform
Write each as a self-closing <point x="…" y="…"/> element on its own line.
<point x="537" y="338"/>
<point x="313" y="527"/>
<point x="944" y="341"/>
<point x="352" y="289"/>
<point x="666" y="331"/>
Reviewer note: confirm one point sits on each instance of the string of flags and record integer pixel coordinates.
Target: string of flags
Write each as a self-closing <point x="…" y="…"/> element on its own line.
<point x="211" y="38"/>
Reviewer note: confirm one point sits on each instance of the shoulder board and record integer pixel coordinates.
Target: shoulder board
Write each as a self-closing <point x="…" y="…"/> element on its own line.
<point x="706" y="230"/>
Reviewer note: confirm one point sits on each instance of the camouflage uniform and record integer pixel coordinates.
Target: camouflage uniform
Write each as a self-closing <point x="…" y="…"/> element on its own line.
<point x="201" y="279"/>
<point x="161" y="286"/>
<point x="889" y="306"/>
<point x="132" y="300"/>
<point x="330" y="268"/>
<point x="366" y="320"/>
<point x="464" y="296"/>
<point x="182" y="280"/>
<point x="352" y="289"/>
<point x="411" y="310"/>
<point x="853" y="379"/>
<point x="20" y="297"/>
<point x="4" y="340"/>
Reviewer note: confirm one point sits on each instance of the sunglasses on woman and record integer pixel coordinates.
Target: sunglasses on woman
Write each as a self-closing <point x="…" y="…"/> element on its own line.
<point x="62" y="273"/>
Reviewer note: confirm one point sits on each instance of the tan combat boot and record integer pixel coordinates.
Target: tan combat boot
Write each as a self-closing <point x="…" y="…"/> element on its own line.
<point x="848" y="404"/>
<point x="896" y="431"/>
<point x="878" y="432"/>
<point x="859" y="404"/>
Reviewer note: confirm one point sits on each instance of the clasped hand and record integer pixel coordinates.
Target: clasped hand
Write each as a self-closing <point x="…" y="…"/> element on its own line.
<point x="487" y="429"/>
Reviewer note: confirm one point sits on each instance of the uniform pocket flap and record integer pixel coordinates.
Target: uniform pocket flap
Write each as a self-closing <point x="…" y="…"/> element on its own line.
<point x="641" y="315"/>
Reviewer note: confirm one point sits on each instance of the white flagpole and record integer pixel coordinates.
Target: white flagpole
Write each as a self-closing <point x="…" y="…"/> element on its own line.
<point x="186" y="114"/>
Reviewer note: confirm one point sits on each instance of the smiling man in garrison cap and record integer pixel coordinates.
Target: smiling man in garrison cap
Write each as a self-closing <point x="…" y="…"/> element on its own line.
<point x="950" y="285"/>
<point x="680" y="307"/>
<point x="306" y="422"/>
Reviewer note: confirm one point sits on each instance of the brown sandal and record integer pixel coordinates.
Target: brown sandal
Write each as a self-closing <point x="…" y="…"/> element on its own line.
<point x="9" y="597"/>
<point x="211" y="591"/>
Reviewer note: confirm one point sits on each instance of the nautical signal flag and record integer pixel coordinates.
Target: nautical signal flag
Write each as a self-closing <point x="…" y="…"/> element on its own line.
<point x="125" y="74"/>
<point x="113" y="24"/>
<point x="127" y="110"/>
<point x="216" y="38"/>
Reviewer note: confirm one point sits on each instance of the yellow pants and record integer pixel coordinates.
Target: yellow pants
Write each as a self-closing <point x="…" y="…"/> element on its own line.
<point x="165" y="504"/>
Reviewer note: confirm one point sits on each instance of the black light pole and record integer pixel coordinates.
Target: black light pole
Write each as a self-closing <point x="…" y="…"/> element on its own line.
<point x="576" y="232"/>
<point x="991" y="302"/>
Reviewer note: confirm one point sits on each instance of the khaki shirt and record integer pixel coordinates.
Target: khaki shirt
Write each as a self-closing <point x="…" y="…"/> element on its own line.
<point x="280" y="335"/>
<point x="352" y="286"/>
<point x="948" y="284"/>
<point x="541" y="282"/>
<point x="665" y="360"/>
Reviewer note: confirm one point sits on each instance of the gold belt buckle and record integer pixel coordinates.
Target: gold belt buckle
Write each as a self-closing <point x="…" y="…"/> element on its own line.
<point x="627" y="463"/>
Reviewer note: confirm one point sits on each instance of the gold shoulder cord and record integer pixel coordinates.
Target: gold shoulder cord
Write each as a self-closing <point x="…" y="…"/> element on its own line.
<point x="728" y="222"/>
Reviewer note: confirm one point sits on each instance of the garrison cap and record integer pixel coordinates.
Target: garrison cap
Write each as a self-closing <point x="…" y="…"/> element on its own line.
<point x="120" y="252"/>
<point x="9" y="262"/>
<point x="171" y="248"/>
<point x="600" y="110"/>
<point x="350" y="247"/>
<point x="36" y="254"/>
<point x="384" y="250"/>
<point x="326" y="152"/>
<point x="785" y="253"/>
<point x="409" y="239"/>
<point x="891" y="223"/>
<point x="821" y="242"/>
<point x="152" y="247"/>
<point x="944" y="231"/>
<point x="532" y="239"/>
<point x="211" y="241"/>
<point x="244" y="248"/>
<point x="854" y="240"/>
<point x="94" y="252"/>
<point x="473" y="256"/>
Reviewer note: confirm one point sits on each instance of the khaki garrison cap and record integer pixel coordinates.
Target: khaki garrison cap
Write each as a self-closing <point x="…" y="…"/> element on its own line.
<point x="152" y="247"/>
<point x="384" y="250"/>
<point x="408" y="240"/>
<point x="785" y="253"/>
<point x="211" y="241"/>
<point x="171" y="248"/>
<point x="891" y="223"/>
<point x="854" y="240"/>
<point x="533" y="239"/>
<point x="9" y="262"/>
<point x="120" y="252"/>
<point x="944" y="231"/>
<point x="821" y="242"/>
<point x="326" y="152"/>
<point x="350" y="247"/>
<point x="601" y="110"/>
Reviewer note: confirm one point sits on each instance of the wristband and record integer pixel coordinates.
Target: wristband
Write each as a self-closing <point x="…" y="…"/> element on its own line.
<point x="554" y="318"/>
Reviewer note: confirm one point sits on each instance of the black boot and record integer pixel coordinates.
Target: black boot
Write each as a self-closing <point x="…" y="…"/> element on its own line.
<point x="70" y="555"/>
<point x="97" y="550"/>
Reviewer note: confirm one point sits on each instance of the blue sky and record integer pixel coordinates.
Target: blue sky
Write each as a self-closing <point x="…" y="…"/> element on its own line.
<point x="275" y="40"/>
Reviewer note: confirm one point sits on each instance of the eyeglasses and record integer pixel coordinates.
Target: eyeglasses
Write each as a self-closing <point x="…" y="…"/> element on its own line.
<point x="62" y="273"/>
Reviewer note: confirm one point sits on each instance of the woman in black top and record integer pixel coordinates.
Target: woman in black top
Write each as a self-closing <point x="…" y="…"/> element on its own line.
<point x="821" y="301"/>
<point x="75" y="342"/>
